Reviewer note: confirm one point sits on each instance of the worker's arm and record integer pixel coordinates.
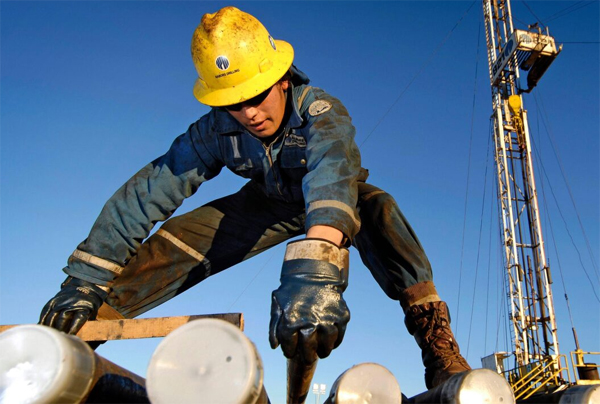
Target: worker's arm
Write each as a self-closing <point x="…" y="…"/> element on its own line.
<point x="333" y="163"/>
<point x="308" y="312"/>
<point x="326" y="233"/>
<point x="150" y="196"/>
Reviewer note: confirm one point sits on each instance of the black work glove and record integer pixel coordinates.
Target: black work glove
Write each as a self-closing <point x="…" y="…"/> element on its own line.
<point x="308" y="312"/>
<point x="77" y="302"/>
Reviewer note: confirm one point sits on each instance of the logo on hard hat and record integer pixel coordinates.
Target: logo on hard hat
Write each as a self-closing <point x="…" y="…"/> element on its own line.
<point x="272" y="42"/>
<point x="222" y="62"/>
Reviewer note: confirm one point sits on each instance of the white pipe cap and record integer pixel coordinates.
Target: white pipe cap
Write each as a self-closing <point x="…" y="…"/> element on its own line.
<point x="366" y="383"/>
<point x="477" y="386"/>
<point x="42" y="365"/>
<point x="205" y="361"/>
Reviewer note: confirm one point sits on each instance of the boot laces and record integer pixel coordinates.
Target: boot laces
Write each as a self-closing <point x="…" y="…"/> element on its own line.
<point x="441" y="339"/>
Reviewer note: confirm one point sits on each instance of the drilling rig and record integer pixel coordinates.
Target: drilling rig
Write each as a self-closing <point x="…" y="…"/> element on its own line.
<point x="539" y="367"/>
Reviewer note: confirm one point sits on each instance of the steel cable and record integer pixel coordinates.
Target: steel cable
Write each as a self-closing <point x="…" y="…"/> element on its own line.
<point x="565" y="12"/>
<point x="478" y="251"/>
<point x="462" y="247"/>
<point x="546" y="123"/>
<point x="423" y="66"/>
<point x="560" y="210"/>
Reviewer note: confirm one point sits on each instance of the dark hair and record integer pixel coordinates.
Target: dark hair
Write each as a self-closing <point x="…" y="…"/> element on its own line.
<point x="287" y="76"/>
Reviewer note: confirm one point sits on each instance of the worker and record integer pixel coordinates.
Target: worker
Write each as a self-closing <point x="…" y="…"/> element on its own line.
<point x="295" y="145"/>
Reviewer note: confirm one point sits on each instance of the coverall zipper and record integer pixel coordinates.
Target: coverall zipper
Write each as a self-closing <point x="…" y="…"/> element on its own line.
<point x="270" y="158"/>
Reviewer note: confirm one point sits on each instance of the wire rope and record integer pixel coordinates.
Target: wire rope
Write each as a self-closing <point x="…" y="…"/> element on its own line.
<point x="532" y="13"/>
<point x="253" y="279"/>
<point x="566" y="225"/>
<point x="551" y="16"/>
<point x="462" y="248"/>
<point x="487" y="297"/>
<point x="423" y="66"/>
<point x="544" y="172"/>
<point x="478" y="252"/>
<point x="546" y="122"/>
<point x="560" y="271"/>
<point x="549" y="224"/>
<point x="520" y="21"/>
<point x="565" y="12"/>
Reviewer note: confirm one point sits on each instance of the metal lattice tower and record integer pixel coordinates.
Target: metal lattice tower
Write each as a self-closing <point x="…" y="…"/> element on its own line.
<point x="528" y="275"/>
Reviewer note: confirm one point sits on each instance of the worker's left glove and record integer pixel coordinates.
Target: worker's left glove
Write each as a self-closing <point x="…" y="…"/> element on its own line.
<point x="77" y="302"/>
<point x="308" y="313"/>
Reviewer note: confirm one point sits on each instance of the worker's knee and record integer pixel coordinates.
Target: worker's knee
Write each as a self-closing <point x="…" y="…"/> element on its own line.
<point x="203" y="221"/>
<point x="173" y="225"/>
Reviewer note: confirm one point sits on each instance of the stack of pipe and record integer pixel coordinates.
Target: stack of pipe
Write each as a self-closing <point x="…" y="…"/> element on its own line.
<point x="42" y="365"/>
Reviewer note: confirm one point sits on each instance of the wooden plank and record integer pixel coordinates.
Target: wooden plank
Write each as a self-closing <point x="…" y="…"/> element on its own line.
<point x="107" y="330"/>
<point x="143" y="328"/>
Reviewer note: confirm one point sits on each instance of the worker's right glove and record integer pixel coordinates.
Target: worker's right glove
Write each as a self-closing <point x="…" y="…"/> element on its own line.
<point x="77" y="302"/>
<point x="308" y="313"/>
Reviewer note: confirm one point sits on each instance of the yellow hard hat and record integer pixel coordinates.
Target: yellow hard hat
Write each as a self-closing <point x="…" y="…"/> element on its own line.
<point x="236" y="58"/>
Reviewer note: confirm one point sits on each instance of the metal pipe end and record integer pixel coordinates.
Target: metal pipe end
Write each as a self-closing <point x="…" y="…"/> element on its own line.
<point x="365" y="383"/>
<point x="42" y="365"/>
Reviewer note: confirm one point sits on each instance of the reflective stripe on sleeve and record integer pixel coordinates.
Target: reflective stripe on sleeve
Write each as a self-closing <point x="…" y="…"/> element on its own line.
<point x="335" y="205"/>
<point x="97" y="261"/>
<point x="180" y="244"/>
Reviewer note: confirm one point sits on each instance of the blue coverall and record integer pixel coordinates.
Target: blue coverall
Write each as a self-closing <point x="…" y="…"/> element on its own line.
<point x="310" y="174"/>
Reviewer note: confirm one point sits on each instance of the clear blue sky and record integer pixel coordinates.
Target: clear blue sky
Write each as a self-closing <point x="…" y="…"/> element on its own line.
<point x="92" y="91"/>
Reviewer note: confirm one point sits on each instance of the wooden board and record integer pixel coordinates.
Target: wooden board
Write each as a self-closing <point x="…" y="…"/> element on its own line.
<point x="107" y="330"/>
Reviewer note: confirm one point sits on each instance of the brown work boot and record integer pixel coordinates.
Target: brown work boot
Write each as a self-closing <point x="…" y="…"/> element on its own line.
<point x="429" y="323"/>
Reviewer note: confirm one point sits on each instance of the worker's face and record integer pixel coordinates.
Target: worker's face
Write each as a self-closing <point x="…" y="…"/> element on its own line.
<point x="263" y="114"/>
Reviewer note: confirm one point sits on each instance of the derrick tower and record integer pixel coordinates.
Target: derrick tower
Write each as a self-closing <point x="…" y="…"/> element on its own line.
<point x="511" y="52"/>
